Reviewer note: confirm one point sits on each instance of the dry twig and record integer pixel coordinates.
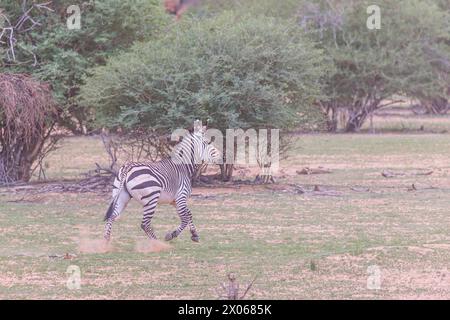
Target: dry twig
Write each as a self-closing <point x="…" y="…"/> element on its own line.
<point x="230" y="290"/>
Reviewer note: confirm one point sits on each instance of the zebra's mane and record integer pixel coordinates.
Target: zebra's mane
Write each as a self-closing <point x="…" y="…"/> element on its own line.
<point x="188" y="150"/>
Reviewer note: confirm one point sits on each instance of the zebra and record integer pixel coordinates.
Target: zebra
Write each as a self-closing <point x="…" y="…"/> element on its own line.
<point x="167" y="181"/>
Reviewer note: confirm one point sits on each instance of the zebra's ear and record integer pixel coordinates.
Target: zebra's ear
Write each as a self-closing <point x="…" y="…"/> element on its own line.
<point x="197" y="126"/>
<point x="199" y="129"/>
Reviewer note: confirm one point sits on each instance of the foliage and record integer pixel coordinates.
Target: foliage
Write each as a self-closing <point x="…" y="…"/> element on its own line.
<point x="62" y="57"/>
<point x="440" y="61"/>
<point x="253" y="72"/>
<point x="234" y="72"/>
<point x="285" y="9"/>
<point x="372" y="65"/>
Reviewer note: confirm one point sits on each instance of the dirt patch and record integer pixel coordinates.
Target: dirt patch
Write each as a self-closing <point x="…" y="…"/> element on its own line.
<point x="148" y="246"/>
<point x="403" y="282"/>
<point x="86" y="244"/>
<point x="94" y="246"/>
<point x="445" y="246"/>
<point x="420" y="250"/>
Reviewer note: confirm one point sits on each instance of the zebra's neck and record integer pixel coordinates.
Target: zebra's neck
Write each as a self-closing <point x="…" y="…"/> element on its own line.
<point x="184" y="156"/>
<point x="190" y="168"/>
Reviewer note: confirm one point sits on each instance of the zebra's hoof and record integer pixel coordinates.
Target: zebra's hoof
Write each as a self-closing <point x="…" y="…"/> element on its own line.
<point x="170" y="235"/>
<point x="195" y="238"/>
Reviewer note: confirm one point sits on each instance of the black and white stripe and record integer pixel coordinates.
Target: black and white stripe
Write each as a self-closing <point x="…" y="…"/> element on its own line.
<point x="167" y="181"/>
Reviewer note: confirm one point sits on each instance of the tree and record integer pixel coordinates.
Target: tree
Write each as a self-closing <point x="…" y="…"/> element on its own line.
<point x="439" y="57"/>
<point x="372" y="65"/>
<point x="235" y="72"/>
<point x="47" y="49"/>
<point x="35" y="40"/>
<point x="27" y="114"/>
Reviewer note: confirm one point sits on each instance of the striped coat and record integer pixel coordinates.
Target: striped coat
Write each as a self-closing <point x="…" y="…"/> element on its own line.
<point x="168" y="181"/>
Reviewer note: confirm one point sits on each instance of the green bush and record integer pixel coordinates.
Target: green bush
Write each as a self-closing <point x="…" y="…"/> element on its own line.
<point x="53" y="53"/>
<point x="246" y="72"/>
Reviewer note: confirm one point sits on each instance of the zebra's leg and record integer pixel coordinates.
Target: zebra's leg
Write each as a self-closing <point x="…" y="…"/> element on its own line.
<point x="186" y="219"/>
<point x="149" y="211"/>
<point x="117" y="206"/>
<point x="194" y="234"/>
<point x="108" y="228"/>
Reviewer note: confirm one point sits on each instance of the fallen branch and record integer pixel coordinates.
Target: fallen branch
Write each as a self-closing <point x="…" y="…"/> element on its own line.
<point x="391" y="174"/>
<point x="418" y="187"/>
<point x="362" y="189"/>
<point x="319" y="170"/>
<point x="318" y="191"/>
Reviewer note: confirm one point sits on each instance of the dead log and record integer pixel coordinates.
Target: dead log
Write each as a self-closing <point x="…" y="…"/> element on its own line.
<point x="417" y="187"/>
<point x="319" y="170"/>
<point x="391" y="174"/>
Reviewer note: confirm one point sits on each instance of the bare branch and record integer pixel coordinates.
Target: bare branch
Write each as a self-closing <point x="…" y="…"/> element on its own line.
<point x="248" y="288"/>
<point x="9" y="29"/>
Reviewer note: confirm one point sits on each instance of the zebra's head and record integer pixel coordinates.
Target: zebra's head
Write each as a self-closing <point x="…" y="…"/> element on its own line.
<point x="195" y="149"/>
<point x="206" y="151"/>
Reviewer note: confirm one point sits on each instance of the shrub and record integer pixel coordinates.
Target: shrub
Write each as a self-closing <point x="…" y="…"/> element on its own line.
<point x="246" y="72"/>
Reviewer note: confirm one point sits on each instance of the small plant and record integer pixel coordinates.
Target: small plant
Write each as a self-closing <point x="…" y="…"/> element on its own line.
<point x="230" y="290"/>
<point x="312" y="266"/>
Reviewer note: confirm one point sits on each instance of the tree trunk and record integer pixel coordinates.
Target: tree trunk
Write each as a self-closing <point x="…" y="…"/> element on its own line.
<point x="359" y="112"/>
<point x="17" y="158"/>
<point x="331" y="110"/>
<point x="15" y="164"/>
<point x="333" y="119"/>
<point x="226" y="172"/>
<point x="356" y="121"/>
<point x="437" y="106"/>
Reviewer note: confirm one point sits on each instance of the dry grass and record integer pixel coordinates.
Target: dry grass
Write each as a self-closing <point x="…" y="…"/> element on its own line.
<point x="270" y="232"/>
<point x="401" y="118"/>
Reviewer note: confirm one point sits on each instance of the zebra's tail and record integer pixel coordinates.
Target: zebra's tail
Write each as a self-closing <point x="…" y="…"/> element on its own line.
<point x="121" y="177"/>
<point x="110" y="210"/>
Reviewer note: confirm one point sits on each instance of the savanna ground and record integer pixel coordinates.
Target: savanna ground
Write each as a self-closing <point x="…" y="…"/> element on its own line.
<point x="313" y="245"/>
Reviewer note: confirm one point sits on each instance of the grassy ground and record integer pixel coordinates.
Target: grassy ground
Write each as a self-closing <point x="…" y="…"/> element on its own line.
<point x="401" y="118"/>
<point x="314" y="245"/>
